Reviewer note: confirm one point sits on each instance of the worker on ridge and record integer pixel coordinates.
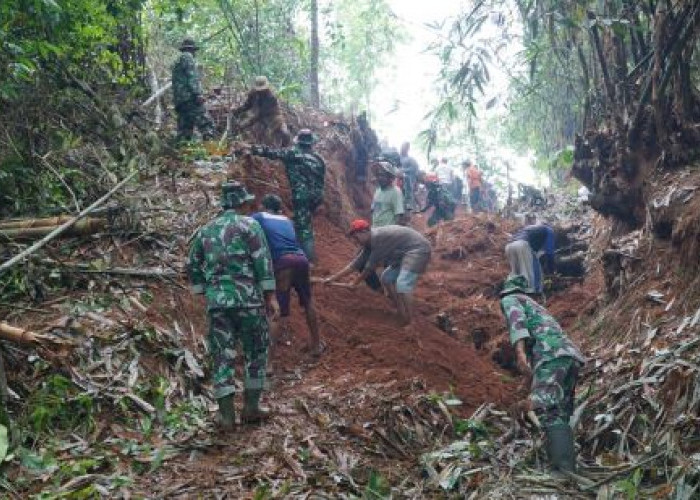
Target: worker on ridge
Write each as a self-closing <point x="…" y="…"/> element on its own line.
<point x="187" y="95"/>
<point x="230" y="263"/>
<point x="439" y="196"/>
<point x="410" y="169"/>
<point x="550" y="361"/>
<point x="405" y="250"/>
<point x="261" y="111"/>
<point x="291" y="269"/>
<point x="306" y="172"/>
<point x="474" y="182"/>
<point x="525" y="248"/>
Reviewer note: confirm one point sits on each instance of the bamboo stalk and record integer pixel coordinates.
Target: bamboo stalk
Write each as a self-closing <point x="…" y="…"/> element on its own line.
<point x="27" y="223"/>
<point x="24" y="336"/>
<point x="60" y="229"/>
<point x="87" y="226"/>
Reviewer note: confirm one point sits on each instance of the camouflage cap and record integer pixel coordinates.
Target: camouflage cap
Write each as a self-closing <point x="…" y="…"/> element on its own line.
<point x="234" y="194"/>
<point x="517" y="283"/>
<point x="188" y="44"/>
<point x="305" y="137"/>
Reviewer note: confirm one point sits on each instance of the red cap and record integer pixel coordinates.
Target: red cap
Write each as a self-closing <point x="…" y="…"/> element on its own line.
<point x="358" y="225"/>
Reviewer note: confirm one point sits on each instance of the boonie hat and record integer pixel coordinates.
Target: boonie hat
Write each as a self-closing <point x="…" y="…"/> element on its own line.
<point x="305" y="136"/>
<point x="234" y="194"/>
<point x="517" y="283"/>
<point x="188" y="44"/>
<point x="261" y="83"/>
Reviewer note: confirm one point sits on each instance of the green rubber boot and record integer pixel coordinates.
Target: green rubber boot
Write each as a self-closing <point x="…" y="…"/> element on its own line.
<point x="252" y="412"/>
<point x="227" y="412"/>
<point x="560" y="447"/>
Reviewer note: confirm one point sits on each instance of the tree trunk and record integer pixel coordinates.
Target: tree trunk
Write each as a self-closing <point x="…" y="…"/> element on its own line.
<point x="315" y="96"/>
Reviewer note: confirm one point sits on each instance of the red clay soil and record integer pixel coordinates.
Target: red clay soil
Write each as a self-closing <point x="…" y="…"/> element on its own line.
<point x="365" y="345"/>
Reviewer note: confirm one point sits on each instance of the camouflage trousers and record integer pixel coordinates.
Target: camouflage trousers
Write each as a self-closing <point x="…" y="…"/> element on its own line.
<point x="227" y="329"/>
<point x="441" y="213"/>
<point x="552" y="394"/>
<point x="303" y="224"/>
<point x="191" y="115"/>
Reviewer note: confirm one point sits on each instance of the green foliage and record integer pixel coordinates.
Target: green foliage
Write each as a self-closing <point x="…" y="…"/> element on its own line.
<point x="240" y="39"/>
<point x="378" y="488"/>
<point x="474" y="427"/>
<point x="361" y="36"/>
<point x="58" y="405"/>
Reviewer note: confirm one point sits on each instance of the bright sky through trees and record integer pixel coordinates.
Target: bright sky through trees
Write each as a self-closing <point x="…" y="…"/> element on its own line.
<point x="407" y="90"/>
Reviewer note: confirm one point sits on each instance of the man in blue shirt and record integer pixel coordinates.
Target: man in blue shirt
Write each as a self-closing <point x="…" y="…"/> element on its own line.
<point x="291" y="267"/>
<point x="525" y="248"/>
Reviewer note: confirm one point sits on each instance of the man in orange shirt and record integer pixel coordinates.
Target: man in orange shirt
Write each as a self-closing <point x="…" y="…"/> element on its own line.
<point x="473" y="175"/>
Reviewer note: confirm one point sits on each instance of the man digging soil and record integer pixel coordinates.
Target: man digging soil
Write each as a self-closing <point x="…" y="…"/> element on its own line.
<point x="406" y="252"/>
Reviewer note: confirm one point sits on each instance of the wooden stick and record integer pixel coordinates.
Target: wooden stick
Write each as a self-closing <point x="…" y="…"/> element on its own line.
<point x="89" y="225"/>
<point x="332" y="283"/>
<point x="60" y="229"/>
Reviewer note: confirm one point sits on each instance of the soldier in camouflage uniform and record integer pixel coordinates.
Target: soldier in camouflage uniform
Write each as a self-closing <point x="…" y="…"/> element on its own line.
<point x="439" y="197"/>
<point x="306" y="172"/>
<point x="545" y="353"/>
<point x="230" y="263"/>
<point x="187" y="95"/>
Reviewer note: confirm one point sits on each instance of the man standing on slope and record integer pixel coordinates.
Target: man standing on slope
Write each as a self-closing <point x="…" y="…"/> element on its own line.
<point x="405" y="250"/>
<point x="306" y="173"/>
<point x="388" y="202"/>
<point x="291" y="267"/>
<point x="230" y="263"/>
<point x="410" y="169"/>
<point x="187" y="95"/>
<point x="474" y="181"/>
<point x="523" y="252"/>
<point x="551" y="361"/>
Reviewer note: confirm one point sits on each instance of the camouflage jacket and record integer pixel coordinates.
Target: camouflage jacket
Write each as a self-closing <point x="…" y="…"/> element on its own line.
<point x="439" y="197"/>
<point x="545" y="339"/>
<point x="186" y="85"/>
<point x="230" y="262"/>
<point x="306" y="171"/>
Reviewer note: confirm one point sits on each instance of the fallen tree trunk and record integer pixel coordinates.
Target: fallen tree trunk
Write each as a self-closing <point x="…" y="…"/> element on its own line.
<point x="86" y="226"/>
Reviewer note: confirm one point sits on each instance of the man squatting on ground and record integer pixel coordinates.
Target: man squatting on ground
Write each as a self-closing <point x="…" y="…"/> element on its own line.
<point x="291" y="268"/>
<point x="306" y="173"/>
<point x="524" y="250"/>
<point x="552" y="362"/>
<point x="406" y="253"/>
<point x="230" y="263"/>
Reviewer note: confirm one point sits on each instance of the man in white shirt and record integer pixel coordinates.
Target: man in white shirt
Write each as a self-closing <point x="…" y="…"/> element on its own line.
<point x="444" y="173"/>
